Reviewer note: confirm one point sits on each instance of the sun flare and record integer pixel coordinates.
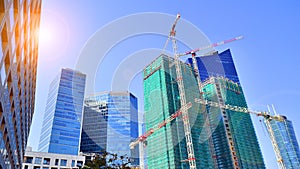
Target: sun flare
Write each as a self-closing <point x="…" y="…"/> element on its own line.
<point x="45" y="35"/>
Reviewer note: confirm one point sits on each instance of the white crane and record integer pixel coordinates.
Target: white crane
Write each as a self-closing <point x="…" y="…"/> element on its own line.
<point x="184" y="110"/>
<point x="267" y="117"/>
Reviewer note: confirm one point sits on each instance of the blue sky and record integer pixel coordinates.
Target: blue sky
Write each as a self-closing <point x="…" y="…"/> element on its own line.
<point x="266" y="59"/>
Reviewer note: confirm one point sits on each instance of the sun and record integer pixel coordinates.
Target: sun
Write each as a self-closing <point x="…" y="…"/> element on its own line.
<point x="45" y="35"/>
<point x="53" y="35"/>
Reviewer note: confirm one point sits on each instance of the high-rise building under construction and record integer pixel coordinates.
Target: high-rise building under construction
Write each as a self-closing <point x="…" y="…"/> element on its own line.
<point x="232" y="144"/>
<point x="166" y="148"/>
<point x="234" y="140"/>
<point x="233" y="134"/>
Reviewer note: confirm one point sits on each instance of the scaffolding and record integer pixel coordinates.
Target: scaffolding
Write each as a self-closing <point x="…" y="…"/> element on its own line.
<point x="166" y="148"/>
<point x="234" y="137"/>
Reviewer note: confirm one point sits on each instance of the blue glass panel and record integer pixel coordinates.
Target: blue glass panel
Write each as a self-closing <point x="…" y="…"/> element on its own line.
<point x="216" y="65"/>
<point x="62" y="122"/>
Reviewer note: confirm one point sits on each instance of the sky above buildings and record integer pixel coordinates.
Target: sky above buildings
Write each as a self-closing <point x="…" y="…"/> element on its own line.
<point x="266" y="59"/>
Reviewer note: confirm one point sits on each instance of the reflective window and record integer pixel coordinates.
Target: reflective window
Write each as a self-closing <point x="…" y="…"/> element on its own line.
<point x="38" y="160"/>
<point x="3" y="74"/>
<point x="65" y="113"/>
<point x="109" y="123"/>
<point x="46" y="161"/>
<point x="13" y="43"/>
<point x="79" y="163"/>
<point x="63" y="162"/>
<point x="1" y="52"/>
<point x="21" y="17"/>
<point x="28" y="159"/>
<point x="11" y="16"/>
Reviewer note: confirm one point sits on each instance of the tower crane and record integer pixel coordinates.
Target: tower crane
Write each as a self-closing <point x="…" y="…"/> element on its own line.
<point x="198" y="77"/>
<point x="267" y="117"/>
<point x="184" y="110"/>
<point x="186" y="124"/>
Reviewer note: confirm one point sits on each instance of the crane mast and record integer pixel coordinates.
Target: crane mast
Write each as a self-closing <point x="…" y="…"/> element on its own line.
<point x="274" y="143"/>
<point x="186" y="124"/>
<point x="207" y="122"/>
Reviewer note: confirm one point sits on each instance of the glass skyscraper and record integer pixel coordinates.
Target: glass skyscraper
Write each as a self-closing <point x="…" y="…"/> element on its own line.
<point x="63" y="114"/>
<point x="110" y="123"/>
<point x="19" y="26"/>
<point x="287" y="143"/>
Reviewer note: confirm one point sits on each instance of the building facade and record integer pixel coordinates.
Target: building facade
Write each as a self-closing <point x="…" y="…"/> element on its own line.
<point x="226" y="87"/>
<point x="216" y="64"/>
<point x="61" y="127"/>
<point x="110" y="123"/>
<point x="234" y="140"/>
<point x="19" y="25"/>
<point x="166" y="148"/>
<point x="42" y="160"/>
<point x="287" y="142"/>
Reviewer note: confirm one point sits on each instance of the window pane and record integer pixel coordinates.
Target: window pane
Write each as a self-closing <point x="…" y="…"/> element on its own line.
<point x="56" y="161"/>
<point x="63" y="162"/>
<point x="37" y="160"/>
<point x="46" y="161"/>
<point x="28" y="159"/>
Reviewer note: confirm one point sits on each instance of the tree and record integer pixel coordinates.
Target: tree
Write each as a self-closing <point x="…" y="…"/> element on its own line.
<point x="108" y="161"/>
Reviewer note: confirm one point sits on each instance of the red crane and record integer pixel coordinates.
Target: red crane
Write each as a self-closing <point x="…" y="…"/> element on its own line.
<point x="143" y="137"/>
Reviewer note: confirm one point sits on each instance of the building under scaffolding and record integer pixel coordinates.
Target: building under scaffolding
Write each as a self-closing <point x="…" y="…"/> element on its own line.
<point x="233" y="140"/>
<point x="233" y="135"/>
<point x="166" y="148"/>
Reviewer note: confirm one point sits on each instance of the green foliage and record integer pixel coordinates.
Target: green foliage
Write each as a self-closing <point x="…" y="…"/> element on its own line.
<point x="108" y="161"/>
